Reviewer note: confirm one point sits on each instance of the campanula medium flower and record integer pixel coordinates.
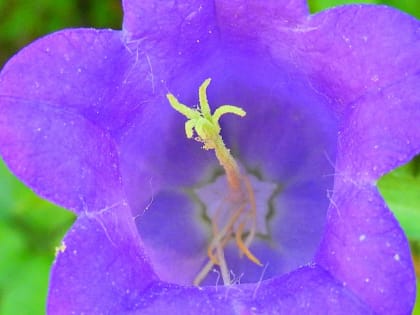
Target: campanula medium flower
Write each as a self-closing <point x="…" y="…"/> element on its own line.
<point x="274" y="209"/>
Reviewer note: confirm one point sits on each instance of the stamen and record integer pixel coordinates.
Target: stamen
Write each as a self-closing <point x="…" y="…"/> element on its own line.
<point x="212" y="257"/>
<point x="242" y="246"/>
<point x="203" y="273"/>
<point x="253" y="205"/>
<point x="223" y="236"/>
<point x="223" y="266"/>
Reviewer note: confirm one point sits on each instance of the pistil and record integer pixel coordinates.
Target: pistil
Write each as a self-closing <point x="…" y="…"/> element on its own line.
<point x="208" y="129"/>
<point x="240" y="202"/>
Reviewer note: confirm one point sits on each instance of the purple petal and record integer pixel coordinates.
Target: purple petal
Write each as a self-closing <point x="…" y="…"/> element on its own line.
<point x="382" y="132"/>
<point x="307" y="290"/>
<point x="102" y="268"/>
<point x="83" y="71"/>
<point x="366" y="249"/>
<point x="175" y="258"/>
<point x="55" y="125"/>
<point x="355" y="50"/>
<point x="172" y="36"/>
<point x="239" y="20"/>
<point x="182" y="18"/>
<point x="379" y="106"/>
<point x="120" y="282"/>
<point x="46" y="152"/>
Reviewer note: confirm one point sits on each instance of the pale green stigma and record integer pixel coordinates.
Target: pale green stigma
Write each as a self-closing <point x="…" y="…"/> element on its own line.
<point x="207" y="128"/>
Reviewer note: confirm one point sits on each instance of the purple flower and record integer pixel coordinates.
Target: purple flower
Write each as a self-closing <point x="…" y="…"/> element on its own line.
<point x="332" y="103"/>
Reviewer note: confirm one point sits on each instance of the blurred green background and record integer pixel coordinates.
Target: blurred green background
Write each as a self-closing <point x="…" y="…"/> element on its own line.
<point x="31" y="228"/>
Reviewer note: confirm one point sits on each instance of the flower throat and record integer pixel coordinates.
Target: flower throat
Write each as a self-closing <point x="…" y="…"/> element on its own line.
<point x="238" y="209"/>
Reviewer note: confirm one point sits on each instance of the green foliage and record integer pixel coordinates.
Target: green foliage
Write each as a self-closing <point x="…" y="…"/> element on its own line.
<point x="30" y="229"/>
<point x="416" y="310"/>
<point x="21" y="21"/>
<point x="318" y="5"/>
<point x="401" y="190"/>
<point x="27" y="284"/>
<point x="410" y="6"/>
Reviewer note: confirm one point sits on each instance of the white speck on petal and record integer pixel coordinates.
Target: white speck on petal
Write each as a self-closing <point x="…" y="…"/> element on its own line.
<point x="362" y="237"/>
<point x="397" y="257"/>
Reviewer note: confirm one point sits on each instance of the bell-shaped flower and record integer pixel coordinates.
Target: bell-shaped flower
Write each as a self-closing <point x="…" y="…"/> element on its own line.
<point x="281" y="213"/>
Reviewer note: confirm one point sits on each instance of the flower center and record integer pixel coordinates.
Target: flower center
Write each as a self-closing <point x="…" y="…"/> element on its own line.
<point x="235" y="217"/>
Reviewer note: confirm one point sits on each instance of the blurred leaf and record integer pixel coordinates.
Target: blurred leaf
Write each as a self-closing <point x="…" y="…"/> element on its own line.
<point x="401" y="190"/>
<point x="410" y="6"/>
<point x="416" y="310"/>
<point x="415" y="247"/>
<point x="30" y="228"/>
<point x="12" y="244"/>
<point x="22" y="21"/>
<point x="27" y="210"/>
<point x="101" y="15"/>
<point x="318" y="5"/>
<point x="26" y="292"/>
